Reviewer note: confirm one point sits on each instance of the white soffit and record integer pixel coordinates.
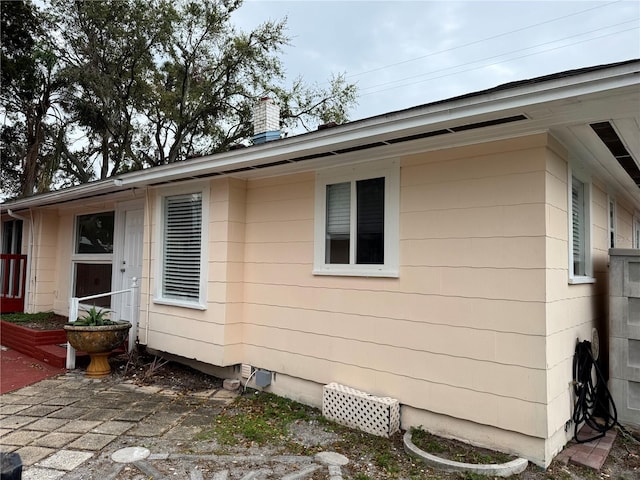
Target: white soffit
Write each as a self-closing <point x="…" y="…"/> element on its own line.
<point x="554" y="103"/>
<point x="586" y="146"/>
<point x="629" y="132"/>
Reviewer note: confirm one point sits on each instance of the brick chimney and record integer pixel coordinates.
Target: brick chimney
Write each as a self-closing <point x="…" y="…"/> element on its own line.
<point x="266" y="121"/>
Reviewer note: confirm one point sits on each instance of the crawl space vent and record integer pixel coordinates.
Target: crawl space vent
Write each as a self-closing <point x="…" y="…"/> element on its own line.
<point x="353" y="408"/>
<point x="245" y="370"/>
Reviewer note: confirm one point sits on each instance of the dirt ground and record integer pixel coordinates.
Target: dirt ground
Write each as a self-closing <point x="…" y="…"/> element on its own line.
<point x="47" y="322"/>
<point x="369" y="458"/>
<point x="364" y="453"/>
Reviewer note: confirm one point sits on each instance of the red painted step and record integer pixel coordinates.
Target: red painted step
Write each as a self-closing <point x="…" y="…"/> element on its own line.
<point x="18" y="370"/>
<point x="55" y="355"/>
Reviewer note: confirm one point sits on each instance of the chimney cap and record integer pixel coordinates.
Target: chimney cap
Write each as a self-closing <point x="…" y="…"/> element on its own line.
<point x="324" y="126"/>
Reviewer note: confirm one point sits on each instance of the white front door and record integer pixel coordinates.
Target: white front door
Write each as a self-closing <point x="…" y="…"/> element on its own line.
<point x="130" y="260"/>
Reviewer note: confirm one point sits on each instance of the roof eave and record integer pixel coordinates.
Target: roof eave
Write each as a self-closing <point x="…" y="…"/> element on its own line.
<point x="403" y="122"/>
<point x="397" y="123"/>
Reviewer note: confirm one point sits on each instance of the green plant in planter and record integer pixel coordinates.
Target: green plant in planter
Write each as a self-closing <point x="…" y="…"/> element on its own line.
<point x="97" y="336"/>
<point x="94" y="318"/>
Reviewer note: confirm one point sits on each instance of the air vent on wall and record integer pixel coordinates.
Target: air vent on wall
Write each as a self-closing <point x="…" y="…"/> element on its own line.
<point x="612" y="141"/>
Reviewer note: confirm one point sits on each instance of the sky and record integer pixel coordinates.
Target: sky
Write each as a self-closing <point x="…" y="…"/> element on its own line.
<point x="407" y="53"/>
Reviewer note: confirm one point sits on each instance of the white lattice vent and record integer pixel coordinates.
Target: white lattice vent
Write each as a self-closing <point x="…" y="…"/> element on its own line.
<point x="353" y="408"/>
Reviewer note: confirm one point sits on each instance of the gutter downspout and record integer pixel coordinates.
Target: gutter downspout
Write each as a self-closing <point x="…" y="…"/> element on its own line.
<point x="27" y="293"/>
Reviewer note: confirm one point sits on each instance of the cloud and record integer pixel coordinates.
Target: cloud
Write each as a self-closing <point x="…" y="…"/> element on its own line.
<point x="403" y="54"/>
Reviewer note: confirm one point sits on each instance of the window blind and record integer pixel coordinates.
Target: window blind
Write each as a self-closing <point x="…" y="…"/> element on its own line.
<point x="182" y="246"/>
<point x="578" y="227"/>
<point x="338" y="209"/>
<point x="612" y="224"/>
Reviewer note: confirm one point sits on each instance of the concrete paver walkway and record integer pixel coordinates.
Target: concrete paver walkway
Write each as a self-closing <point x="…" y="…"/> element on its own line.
<point x="70" y="427"/>
<point x="591" y="454"/>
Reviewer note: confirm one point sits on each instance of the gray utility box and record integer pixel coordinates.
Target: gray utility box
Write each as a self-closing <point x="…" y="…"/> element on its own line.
<point x="263" y="378"/>
<point x="624" y="333"/>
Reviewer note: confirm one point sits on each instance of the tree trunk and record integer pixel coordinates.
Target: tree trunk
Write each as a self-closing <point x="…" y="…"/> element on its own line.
<point x="104" y="170"/>
<point x="175" y="146"/>
<point x="29" y="176"/>
<point x="35" y="138"/>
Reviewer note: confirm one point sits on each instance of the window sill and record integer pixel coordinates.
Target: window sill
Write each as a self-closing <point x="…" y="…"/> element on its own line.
<point x="179" y="303"/>
<point x="581" y="280"/>
<point x="348" y="272"/>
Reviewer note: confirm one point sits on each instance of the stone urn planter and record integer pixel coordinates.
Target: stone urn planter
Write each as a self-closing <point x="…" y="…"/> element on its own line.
<point x="97" y="337"/>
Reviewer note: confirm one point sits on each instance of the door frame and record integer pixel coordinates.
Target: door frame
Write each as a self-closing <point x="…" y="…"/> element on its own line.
<point x="118" y="249"/>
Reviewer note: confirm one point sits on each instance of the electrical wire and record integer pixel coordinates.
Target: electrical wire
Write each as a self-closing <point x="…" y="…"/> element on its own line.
<point x="493" y="57"/>
<point x="481" y="40"/>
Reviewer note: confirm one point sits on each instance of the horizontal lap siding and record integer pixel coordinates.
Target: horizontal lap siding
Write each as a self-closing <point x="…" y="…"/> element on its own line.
<point x="46" y="273"/>
<point x="212" y="335"/>
<point x="464" y="322"/>
<point x="573" y="310"/>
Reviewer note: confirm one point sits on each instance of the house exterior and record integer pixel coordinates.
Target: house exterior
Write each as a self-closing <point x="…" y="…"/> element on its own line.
<point x="447" y="255"/>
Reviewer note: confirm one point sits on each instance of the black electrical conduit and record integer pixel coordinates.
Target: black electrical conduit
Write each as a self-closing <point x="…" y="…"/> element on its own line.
<point x="592" y="399"/>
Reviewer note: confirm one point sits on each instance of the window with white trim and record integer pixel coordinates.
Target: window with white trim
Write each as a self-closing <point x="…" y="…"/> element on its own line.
<point x="580" y="231"/>
<point x="12" y="237"/>
<point x="92" y="258"/>
<point x="356" y="221"/>
<point x="636" y="232"/>
<point x="183" y="259"/>
<point x="612" y="223"/>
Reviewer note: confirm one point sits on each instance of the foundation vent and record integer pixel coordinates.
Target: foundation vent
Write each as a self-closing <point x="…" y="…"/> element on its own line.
<point x="245" y="370"/>
<point x="353" y="408"/>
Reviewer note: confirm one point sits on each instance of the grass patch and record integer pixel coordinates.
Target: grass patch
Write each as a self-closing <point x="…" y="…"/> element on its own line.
<point x="263" y="419"/>
<point x="36" y="321"/>
<point x="455" y="450"/>
<point x="28" y="317"/>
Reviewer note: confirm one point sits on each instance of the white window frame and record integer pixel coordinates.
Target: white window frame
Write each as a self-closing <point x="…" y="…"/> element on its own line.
<point x="586" y="181"/>
<point x="15" y="247"/>
<point x="201" y="302"/>
<point x="390" y="170"/>
<point x="91" y="258"/>
<point x="611" y="224"/>
<point x="635" y="240"/>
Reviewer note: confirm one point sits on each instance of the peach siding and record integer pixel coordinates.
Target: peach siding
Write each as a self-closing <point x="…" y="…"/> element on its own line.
<point x="212" y="335"/>
<point x="476" y="335"/>
<point x="464" y="322"/>
<point x="573" y="310"/>
<point x="65" y="236"/>
<point x="51" y="267"/>
<point x="44" y="262"/>
<point x="624" y="225"/>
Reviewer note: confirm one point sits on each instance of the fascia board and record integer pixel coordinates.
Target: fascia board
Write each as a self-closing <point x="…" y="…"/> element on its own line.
<point x="71" y="193"/>
<point x="394" y="124"/>
<point x="384" y="126"/>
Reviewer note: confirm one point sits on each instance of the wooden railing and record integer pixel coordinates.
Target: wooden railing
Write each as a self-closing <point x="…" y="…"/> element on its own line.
<point x="13" y="278"/>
